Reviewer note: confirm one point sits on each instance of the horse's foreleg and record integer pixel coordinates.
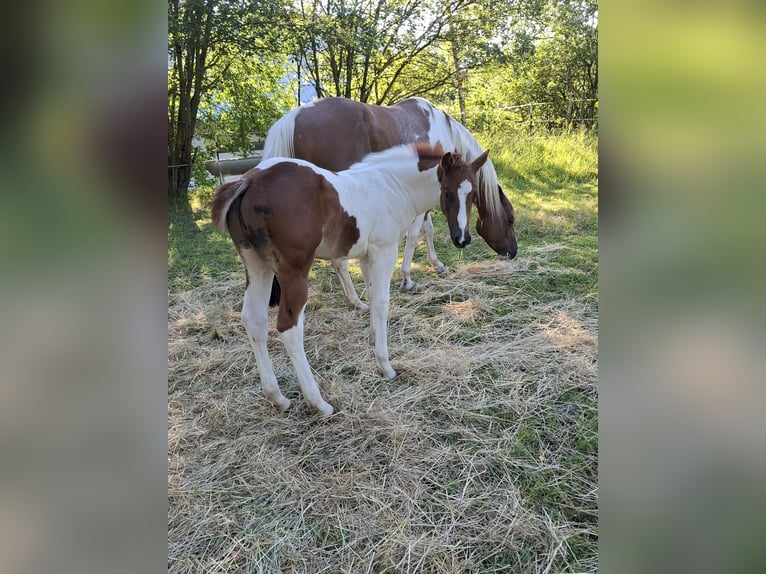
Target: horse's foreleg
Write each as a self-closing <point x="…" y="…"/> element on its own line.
<point x="380" y="269"/>
<point x="290" y="326"/>
<point x="352" y="299"/>
<point x="429" y="227"/>
<point x="256" y="319"/>
<point x="409" y="252"/>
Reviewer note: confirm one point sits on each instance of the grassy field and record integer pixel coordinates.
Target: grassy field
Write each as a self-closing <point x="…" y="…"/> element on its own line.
<point x="481" y="456"/>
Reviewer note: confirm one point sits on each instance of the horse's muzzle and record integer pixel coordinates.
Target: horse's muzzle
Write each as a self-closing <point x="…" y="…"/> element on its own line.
<point x="508" y="255"/>
<point x="461" y="242"/>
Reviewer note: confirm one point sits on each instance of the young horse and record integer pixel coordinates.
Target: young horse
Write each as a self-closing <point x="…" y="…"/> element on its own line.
<point x="286" y="212"/>
<point x="355" y="129"/>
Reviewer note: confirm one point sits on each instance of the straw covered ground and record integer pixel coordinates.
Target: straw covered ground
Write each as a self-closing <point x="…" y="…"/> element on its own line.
<point x="481" y="456"/>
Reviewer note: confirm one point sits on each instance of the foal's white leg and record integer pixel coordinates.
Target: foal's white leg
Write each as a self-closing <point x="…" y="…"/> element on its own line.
<point x="429" y="227"/>
<point x="347" y="285"/>
<point x="380" y="268"/>
<point x="293" y="341"/>
<point x="255" y="316"/>
<point x="409" y="252"/>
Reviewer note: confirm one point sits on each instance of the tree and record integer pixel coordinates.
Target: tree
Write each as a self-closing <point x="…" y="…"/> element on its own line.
<point x="560" y="65"/>
<point x="549" y="55"/>
<point x="369" y="50"/>
<point x="204" y="38"/>
<point x="250" y="96"/>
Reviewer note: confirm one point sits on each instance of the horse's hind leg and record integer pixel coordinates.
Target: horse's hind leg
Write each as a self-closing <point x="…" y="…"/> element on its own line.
<point x="290" y="326"/>
<point x="352" y="299"/>
<point x="255" y="316"/>
<point x="409" y="252"/>
<point x="429" y="227"/>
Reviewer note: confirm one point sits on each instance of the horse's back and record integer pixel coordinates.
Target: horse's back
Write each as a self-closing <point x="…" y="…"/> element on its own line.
<point x="335" y="133"/>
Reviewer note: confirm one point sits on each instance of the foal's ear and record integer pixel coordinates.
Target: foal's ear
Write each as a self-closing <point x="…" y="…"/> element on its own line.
<point x="479" y="161"/>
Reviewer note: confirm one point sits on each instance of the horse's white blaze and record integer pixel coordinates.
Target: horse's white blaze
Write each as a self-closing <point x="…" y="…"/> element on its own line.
<point x="462" y="215"/>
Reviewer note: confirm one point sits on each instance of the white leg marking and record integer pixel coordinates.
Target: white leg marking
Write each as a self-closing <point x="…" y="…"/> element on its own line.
<point x="462" y="215"/>
<point x="381" y="267"/>
<point x="409" y="252"/>
<point x="347" y="285"/>
<point x="255" y="316"/>
<point x="429" y="227"/>
<point x="293" y="341"/>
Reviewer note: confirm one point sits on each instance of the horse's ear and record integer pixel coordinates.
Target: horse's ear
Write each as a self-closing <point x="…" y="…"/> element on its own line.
<point x="479" y="161"/>
<point x="447" y="161"/>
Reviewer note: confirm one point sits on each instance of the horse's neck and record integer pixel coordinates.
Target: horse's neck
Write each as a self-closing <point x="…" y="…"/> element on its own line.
<point x="420" y="188"/>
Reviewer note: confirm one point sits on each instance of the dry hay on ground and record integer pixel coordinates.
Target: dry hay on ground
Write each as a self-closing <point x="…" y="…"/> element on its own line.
<point x="463" y="463"/>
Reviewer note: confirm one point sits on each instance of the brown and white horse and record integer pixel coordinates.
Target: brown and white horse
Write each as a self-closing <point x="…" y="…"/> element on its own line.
<point x="286" y="212"/>
<point x="335" y="132"/>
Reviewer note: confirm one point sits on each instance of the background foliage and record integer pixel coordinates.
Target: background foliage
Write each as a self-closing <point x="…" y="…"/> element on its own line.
<point x="236" y="66"/>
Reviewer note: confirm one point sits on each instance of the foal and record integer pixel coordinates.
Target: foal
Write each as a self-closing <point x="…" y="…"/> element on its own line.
<point x="286" y="212"/>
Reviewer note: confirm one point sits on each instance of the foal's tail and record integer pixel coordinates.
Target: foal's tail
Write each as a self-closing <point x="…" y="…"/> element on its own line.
<point x="223" y="200"/>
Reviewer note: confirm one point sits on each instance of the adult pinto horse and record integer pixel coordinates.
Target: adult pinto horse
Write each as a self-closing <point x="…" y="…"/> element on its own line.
<point x="286" y="212"/>
<point x="335" y="132"/>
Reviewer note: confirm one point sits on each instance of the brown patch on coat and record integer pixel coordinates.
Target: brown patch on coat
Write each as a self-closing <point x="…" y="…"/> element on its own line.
<point x="335" y="133"/>
<point x="286" y="211"/>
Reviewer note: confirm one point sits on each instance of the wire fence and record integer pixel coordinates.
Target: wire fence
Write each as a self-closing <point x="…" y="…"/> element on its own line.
<point x="535" y="117"/>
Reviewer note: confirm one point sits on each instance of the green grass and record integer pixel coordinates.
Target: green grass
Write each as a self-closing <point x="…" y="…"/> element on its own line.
<point x="523" y="427"/>
<point x="551" y="181"/>
<point x="197" y="252"/>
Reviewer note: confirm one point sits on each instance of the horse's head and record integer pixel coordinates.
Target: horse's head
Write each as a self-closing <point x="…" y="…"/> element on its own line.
<point x="498" y="229"/>
<point x="457" y="180"/>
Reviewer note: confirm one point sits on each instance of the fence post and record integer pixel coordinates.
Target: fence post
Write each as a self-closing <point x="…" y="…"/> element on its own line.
<point x="530" y="118"/>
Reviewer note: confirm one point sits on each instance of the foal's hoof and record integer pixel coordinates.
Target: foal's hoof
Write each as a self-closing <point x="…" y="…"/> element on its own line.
<point x="389" y="374"/>
<point x="407" y="284"/>
<point x="360" y="306"/>
<point x="325" y="410"/>
<point x="281" y="404"/>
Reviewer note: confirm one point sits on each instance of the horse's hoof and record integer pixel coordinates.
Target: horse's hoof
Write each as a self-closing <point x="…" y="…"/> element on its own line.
<point x="361" y="307"/>
<point x="281" y="404"/>
<point x="407" y="285"/>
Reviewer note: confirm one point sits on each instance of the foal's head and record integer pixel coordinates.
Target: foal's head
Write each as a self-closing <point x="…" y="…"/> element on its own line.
<point x="457" y="180"/>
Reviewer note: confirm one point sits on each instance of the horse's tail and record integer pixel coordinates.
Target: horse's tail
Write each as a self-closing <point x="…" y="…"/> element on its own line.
<point x="279" y="140"/>
<point x="222" y="200"/>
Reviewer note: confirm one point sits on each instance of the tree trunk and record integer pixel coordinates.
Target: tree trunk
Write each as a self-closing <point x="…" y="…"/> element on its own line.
<point x="181" y="150"/>
<point x="459" y="83"/>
